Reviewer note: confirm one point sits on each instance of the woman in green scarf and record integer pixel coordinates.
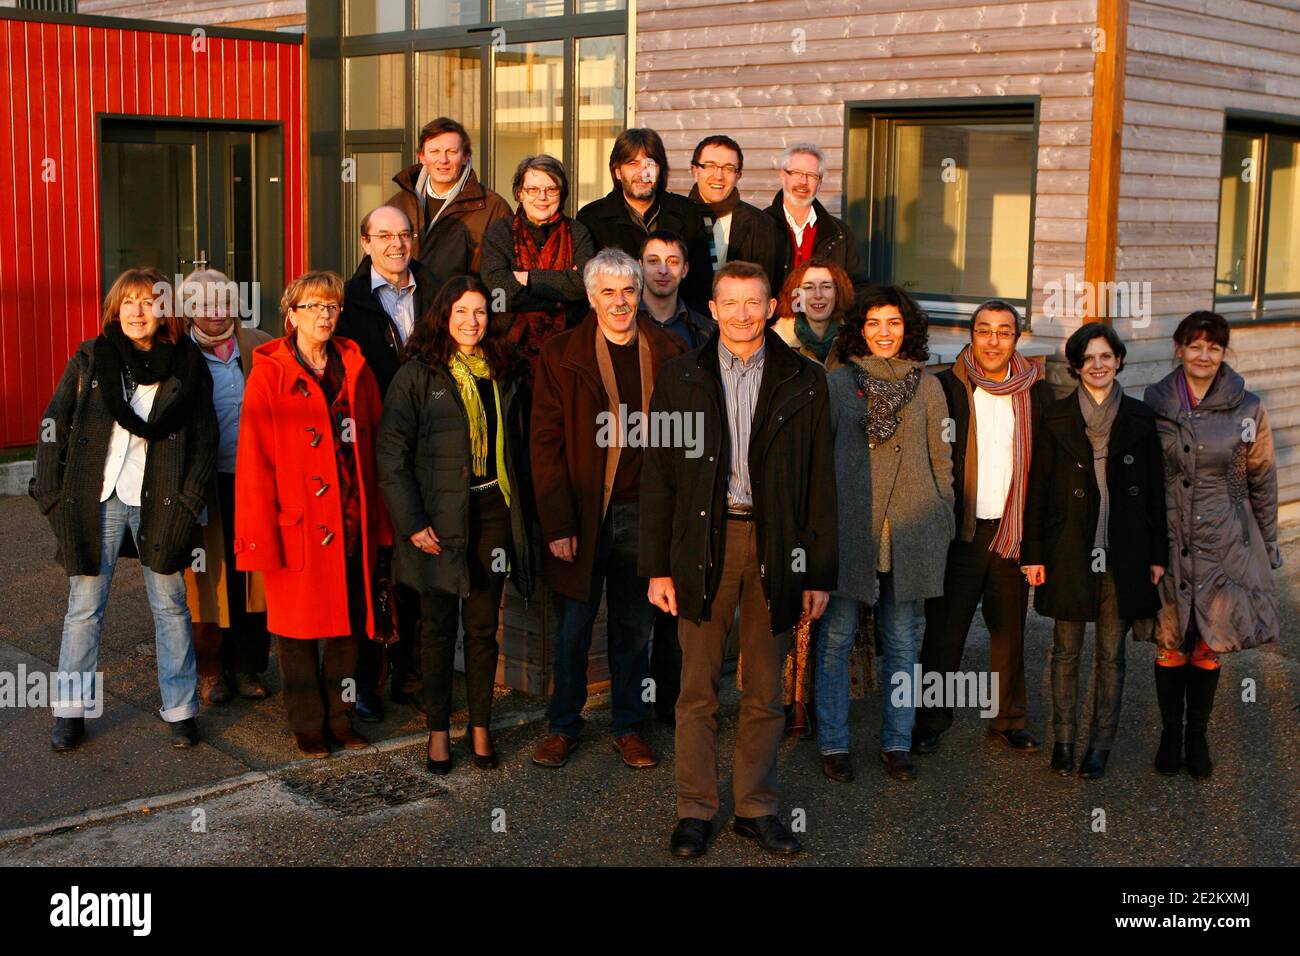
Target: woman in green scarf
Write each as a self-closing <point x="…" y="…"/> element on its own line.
<point x="814" y="300"/>
<point x="453" y="467"/>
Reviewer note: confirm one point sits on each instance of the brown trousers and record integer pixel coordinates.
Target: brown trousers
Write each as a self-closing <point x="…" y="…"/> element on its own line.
<point x="762" y="716"/>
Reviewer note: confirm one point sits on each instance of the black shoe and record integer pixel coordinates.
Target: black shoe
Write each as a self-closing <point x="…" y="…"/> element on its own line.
<point x="898" y="764"/>
<point x="690" y="837"/>
<point x="1017" y="739"/>
<point x="370" y="707"/>
<point x="837" y="767"/>
<point x="924" y="743"/>
<point x="1094" y="764"/>
<point x="68" y="732"/>
<point x="770" y="833"/>
<point x="1201" y="686"/>
<point x="185" y="733"/>
<point x="481" y="761"/>
<point x="1063" y="758"/>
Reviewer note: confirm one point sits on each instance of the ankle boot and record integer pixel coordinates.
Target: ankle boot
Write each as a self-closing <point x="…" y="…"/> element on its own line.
<point x="1171" y="684"/>
<point x="1201" y="686"/>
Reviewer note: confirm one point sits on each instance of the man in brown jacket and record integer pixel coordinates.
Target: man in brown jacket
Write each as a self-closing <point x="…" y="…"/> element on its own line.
<point x="589" y="419"/>
<point x="447" y="205"/>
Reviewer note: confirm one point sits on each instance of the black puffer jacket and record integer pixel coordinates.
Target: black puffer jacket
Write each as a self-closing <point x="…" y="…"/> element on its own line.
<point x="70" y="467"/>
<point x="424" y="471"/>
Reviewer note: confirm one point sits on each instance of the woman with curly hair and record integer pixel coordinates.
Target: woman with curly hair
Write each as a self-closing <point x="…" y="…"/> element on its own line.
<point x="893" y="474"/>
<point x="814" y="301"/>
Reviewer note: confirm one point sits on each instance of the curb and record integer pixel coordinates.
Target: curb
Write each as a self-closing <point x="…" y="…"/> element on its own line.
<point x="14" y="476"/>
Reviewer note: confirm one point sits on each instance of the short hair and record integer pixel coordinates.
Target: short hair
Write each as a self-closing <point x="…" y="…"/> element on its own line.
<point x="196" y="285"/>
<point x="851" y="342"/>
<point x="365" y="220"/>
<point x="637" y="140"/>
<point x="740" y="269"/>
<point x="319" y="282"/>
<point x="151" y="282"/>
<point x="543" y="163"/>
<point x="810" y="149"/>
<point x="663" y="235"/>
<point x="995" y="305"/>
<point x="719" y="139"/>
<point x="445" y="124"/>
<point x="611" y="262"/>
<point x="1202" y="324"/>
<point x="843" y="287"/>
<point x="1077" y="344"/>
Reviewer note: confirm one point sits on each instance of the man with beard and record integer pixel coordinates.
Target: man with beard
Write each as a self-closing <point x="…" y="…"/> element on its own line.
<point x="738" y="232"/>
<point x="808" y="229"/>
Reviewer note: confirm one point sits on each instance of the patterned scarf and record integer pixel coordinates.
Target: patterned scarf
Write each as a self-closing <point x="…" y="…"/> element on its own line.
<point x="1024" y="374"/>
<point x="333" y="383"/>
<point x="465" y="369"/>
<point x="885" y="396"/>
<point x="530" y="330"/>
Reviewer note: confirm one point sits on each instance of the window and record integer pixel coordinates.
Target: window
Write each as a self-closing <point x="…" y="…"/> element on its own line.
<point x="373" y="183"/>
<point x="1257" y="269"/>
<point x="941" y="200"/>
<point x="527" y="106"/>
<point x="376" y="91"/>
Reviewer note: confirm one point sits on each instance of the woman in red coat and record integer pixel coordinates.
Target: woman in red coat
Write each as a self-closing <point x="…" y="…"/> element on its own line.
<point x="310" y="514"/>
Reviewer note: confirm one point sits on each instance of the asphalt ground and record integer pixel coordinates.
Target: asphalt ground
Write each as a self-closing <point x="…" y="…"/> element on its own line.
<point x="244" y="798"/>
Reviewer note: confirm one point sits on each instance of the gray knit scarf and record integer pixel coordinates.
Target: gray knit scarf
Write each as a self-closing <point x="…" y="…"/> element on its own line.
<point x="879" y="382"/>
<point x="1097" y="421"/>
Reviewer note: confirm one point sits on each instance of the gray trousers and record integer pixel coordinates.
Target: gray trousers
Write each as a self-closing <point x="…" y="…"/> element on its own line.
<point x="1107" y="672"/>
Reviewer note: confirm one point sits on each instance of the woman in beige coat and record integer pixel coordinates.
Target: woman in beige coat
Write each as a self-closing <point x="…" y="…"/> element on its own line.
<point x="1218" y="594"/>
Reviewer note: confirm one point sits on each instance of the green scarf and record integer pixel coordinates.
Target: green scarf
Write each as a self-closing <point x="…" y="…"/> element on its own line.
<point x="465" y="369"/>
<point x="819" y="347"/>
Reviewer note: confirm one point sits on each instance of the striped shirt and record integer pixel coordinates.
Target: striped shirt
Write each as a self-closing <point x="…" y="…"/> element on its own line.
<point x="740" y="384"/>
<point x="398" y="303"/>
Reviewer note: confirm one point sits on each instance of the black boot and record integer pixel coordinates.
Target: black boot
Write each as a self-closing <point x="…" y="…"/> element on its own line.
<point x="1171" y="685"/>
<point x="68" y="732"/>
<point x="1062" y="759"/>
<point x="1201" y="685"/>
<point x="1094" y="763"/>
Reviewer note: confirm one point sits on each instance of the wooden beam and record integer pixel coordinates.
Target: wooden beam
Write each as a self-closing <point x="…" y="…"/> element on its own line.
<point x="1111" y="41"/>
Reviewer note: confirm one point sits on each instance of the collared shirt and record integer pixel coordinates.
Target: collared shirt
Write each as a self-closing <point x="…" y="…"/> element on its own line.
<point x="721" y="239"/>
<point x="398" y="303"/>
<point x="740" y="384"/>
<point x="228" y="397"/>
<point x="995" y="432"/>
<point x="795" y="227"/>
<point x="124" y="466"/>
<point x="679" y="325"/>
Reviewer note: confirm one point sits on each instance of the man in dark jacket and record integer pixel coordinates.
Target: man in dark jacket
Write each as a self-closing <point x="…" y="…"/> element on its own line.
<point x="807" y="229"/>
<point x="640" y="203"/>
<point x="737" y="231"/>
<point x="742" y="517"/>
<point x="586" y="466"/>
<point x="388" y="294"/>
<point x="663" y="267"/>
<point x="447" y="205"/>
<point x="997" y="399"/>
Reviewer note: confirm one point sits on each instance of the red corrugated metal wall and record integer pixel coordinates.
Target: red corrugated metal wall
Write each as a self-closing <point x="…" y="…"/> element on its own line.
<point x="55" y="79"/>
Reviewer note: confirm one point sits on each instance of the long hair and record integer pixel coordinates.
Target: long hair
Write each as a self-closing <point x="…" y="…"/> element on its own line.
<point x="916" y="329"/>
<point x="843" y="289"/>
<point x="636" y="140"/>
<point x="149" y="282"/>
<point x="431" y="340"/>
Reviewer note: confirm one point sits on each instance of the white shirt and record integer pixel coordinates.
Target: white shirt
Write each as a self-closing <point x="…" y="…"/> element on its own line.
<point x="995" y="432"/>
<point x="722" y="237"/>
<point x="795" y="227"/>
<point x="124" y="466"/>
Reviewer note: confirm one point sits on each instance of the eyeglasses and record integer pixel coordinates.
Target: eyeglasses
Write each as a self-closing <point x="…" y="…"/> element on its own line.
<point x="825" y="288"/>
<point x="546" y="192"/>
<point x="995" y="334"/>
<point x="801" y="174"/>
<point x="386" y="237"/>
<point x="727" y="169"/>
<point x="319" y="308"/>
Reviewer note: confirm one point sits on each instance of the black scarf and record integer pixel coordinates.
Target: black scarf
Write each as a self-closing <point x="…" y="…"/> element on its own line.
<point x="717" y="209"/>
<point x="118" y="362"/>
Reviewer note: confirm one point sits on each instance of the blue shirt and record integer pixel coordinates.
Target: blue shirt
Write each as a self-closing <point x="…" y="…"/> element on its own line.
<point x="398" y="303"/>
<point x="228" y="397"/>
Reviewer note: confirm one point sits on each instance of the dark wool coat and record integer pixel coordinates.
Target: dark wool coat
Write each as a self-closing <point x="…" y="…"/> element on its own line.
<point x="612" y="225"/>
<point x="834" y="241"/>
<point x="1221" y="502"/>
<point x="282" y="523"/>
<point x="365" y="322"/>
<point x="452" y="246"/>
<point x="424" y="473"/>
<point x="792" y="470"/>
<point x="548" y="290"/>
<point x="568" y="466"/>
<point x="70" y="468"/>
<point x="1063" y="504"/>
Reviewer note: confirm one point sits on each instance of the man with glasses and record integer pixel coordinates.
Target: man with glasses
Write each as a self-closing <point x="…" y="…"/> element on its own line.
<point x="737" y="231"/>
<point x="808" y="229"/>
<point x="996" y="398"/>
<point x="388" y="294"/>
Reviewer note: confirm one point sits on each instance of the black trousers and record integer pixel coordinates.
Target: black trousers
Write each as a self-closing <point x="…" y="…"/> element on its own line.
<point x="666" y="665"/>
<point x="245" y="644"/>
<point x="443" y="613"/>
<point x="975" y="574"/>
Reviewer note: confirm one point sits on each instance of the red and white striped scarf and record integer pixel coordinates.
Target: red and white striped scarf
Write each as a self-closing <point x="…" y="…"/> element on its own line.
<point x="1024" y="374"/>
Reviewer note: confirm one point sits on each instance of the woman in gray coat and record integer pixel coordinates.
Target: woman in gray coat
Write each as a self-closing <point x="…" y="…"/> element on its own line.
<point x="1221" y="499"/>
<point x="893" y="475"/>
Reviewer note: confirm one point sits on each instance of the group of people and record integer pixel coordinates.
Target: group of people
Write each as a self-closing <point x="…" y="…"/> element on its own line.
<point x="362" y="484"/>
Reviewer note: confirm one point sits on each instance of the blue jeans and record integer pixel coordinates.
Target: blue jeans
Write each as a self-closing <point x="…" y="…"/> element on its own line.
<point x="896" y="623"/>
<point x="629" y="621"/>
<point x="833" y="642"/>
<point x="84" y="624"/>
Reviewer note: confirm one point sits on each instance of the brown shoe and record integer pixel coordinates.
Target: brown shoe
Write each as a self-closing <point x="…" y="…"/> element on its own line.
<point x="349" y="739"/>
<point x="214" y="689"/>
<point x="636" y="752"/>
<point x="554" y="750"/>
<point x="250" y="686"/>
<point x="311" y="745"/>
